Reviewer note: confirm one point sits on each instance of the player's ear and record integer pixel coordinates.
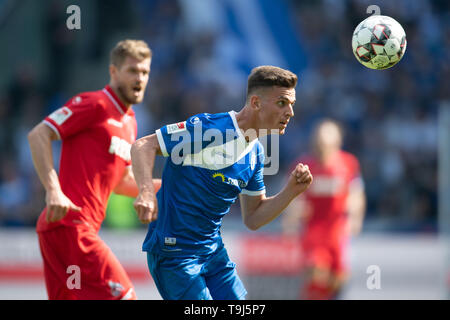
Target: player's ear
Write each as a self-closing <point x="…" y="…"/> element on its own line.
<point x="255" y="102"/>
<point x="112" y="71"/>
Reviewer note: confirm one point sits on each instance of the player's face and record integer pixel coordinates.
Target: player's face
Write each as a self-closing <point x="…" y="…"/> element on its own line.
<point x="131" y="79"/>
<point x="276" y="108"/>
<point x="327" y="138"/>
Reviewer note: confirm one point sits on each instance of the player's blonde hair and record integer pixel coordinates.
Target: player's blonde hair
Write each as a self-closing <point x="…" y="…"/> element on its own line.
<point x="133" y="48"/>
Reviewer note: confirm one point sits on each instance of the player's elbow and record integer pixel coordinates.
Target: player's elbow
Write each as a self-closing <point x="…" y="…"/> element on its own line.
<point x="251" y="224"/>
<point x="137" y="147"/>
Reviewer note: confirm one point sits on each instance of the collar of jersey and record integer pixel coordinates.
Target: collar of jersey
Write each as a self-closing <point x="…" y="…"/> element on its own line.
<point x="115" y="100"/>
<point x="238" y="130"/>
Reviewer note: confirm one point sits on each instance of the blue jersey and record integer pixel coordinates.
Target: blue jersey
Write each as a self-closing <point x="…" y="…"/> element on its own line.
<point x="209" y="164"/>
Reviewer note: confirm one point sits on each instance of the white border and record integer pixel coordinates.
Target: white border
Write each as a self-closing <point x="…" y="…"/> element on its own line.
<point x="49" y="124"/>
<point x="236" y="127"/>
<point x="113" y="101"/>
<point x="253" y="193"/>
<point x="162" y="144"/>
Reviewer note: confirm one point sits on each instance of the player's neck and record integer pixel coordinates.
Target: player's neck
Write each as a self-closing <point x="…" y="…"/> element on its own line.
<point x="120" y="96"/>
<point x="326" y="157"/>
<point x="247" y="124"/>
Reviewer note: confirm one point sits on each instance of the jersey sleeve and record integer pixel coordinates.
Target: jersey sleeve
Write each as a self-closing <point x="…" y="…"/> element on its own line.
<point x="355" y="179"/>
<point x="78" y="114"/>
<point x="185" y="136"/>
<point x="256" y="186"/>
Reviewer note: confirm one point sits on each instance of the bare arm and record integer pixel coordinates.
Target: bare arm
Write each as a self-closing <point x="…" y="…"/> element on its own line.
<point x="356" y="207"/>
<point x="258" y="211"/>
<point x="128" y="187"/>
<point x="296" y="215"/>
<point x="143" y="154"/>
<point x="40" y="140"/>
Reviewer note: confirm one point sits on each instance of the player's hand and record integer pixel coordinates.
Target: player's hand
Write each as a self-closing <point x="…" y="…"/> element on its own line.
<point x="146" y="207"/>
<point x="58" y="205"/>
<point x="300" y="178"/>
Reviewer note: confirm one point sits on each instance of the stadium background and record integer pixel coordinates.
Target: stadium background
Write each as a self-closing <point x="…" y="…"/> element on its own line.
<point x="202" y="53"/>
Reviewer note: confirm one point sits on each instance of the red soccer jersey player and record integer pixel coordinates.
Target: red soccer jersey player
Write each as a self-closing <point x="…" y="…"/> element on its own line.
<point x="333" y="203"/>
<point x="97" y="130"/>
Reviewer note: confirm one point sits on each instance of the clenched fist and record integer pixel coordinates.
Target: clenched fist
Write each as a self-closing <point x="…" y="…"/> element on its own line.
<point x="300" y="178"/>
<point x="146" y="207"/>
<point x="58" y="204"/>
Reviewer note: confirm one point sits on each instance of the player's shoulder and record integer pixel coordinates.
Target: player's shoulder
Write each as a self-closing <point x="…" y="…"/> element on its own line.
<point x="213" y="120"/>
<point x="199" y="118"/>
<point x="88" y="98"/>
<point x="347" y="156"/>
<point x="306" y="158"/>
<point x="350" y="159"/>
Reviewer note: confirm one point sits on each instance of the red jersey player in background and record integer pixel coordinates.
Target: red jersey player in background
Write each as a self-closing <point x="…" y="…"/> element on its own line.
<point x="97" y="130"/>
<point x="329" y="212"/>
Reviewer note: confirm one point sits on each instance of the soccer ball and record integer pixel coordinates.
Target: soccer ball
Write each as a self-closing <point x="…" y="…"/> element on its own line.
<point x="379" y="42"/>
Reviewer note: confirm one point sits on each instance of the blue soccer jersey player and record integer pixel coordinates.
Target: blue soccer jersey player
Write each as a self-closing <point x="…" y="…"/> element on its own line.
<point x="212" y="159"/>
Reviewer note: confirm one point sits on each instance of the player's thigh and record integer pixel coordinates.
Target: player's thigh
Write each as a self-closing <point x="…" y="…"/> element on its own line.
<point x="339" y="268"/>
<point x="318" y="264"/>
<point x="102" y="275"/>
<point x="177" y="278"/>
<point x="54" y="268"/>
<point x="222" y="279"/>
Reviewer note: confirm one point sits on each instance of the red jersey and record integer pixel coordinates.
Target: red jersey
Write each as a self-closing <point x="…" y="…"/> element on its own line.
<point x="97" y="131"/>
<point x="327" y="197"/>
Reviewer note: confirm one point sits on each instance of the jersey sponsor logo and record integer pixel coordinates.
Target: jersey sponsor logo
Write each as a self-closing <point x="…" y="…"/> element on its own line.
<point x="115" y="123"/>
<point x="326" y="186"/>
<point x="231" y="181"/>
<point x="176" y="127"/>
<point x="222" y="153"/>
<point x="61" y="115"/>
<point x="217" y="155"/>
<point x="120" y="148"/>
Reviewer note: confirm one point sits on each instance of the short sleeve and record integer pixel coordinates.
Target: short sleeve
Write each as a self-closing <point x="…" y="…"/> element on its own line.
<point x="182" y="136"/>
<point x="78" y="114"/>
<point x="255" y="186"/>
<point x="355" y="179"/>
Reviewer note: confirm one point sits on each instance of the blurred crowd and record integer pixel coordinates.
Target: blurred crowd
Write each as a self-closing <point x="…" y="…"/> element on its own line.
<point x="389" y="117"/>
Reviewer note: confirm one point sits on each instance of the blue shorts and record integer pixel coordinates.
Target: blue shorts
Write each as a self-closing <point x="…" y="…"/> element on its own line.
<point x="206" y="278"/>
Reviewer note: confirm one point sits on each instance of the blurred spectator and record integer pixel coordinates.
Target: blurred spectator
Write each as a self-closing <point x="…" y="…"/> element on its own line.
<point x="14" y="194"/>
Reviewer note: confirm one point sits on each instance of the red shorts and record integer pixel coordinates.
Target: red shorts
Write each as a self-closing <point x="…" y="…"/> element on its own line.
<point x="78" y="265"/>
<point x="325" y="256"/>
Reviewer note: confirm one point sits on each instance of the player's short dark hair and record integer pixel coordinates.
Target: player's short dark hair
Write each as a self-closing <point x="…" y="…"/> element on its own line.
<point x="134" y="48"/>
<point x="270" y="76"/>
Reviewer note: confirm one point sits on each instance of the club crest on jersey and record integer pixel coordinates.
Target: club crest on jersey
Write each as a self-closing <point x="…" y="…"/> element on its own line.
<point x="76" y="100"/>
<point x="116" y="288"/>
<point x="176" y="127"/>
<point x="120" y="148"/>
<point x="61" y="115"/>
